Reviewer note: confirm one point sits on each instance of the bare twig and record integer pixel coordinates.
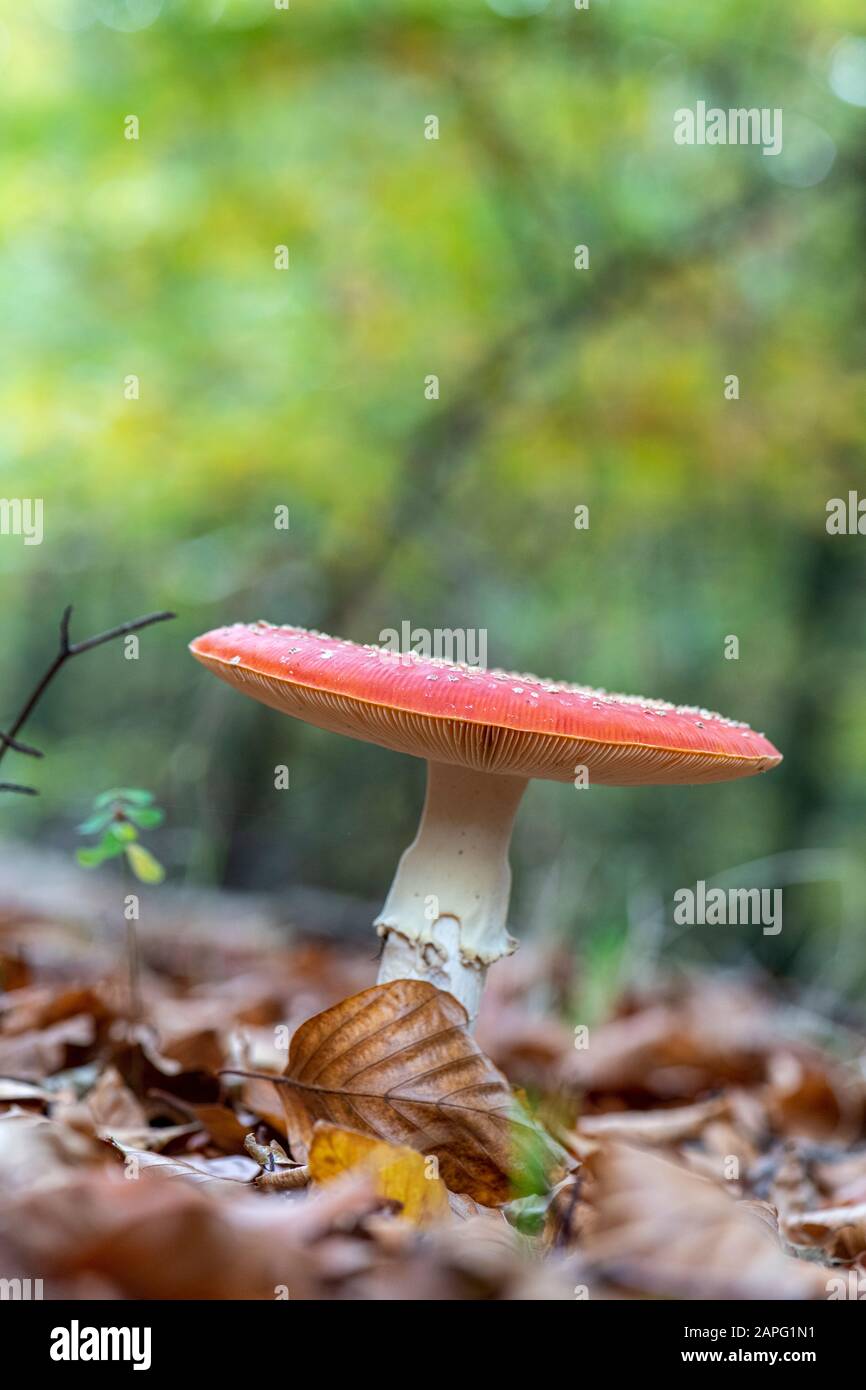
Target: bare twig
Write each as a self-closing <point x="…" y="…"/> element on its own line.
<point x="18" y="747"/>
<point x="65" y="652"/>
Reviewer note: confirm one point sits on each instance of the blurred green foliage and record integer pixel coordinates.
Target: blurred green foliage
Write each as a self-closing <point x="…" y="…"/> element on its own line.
<point x="305" y="388"/>
<point x="117" y="817"/>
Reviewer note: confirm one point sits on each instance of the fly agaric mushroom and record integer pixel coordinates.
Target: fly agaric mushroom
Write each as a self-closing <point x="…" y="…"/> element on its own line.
<point x="484" y="735"/>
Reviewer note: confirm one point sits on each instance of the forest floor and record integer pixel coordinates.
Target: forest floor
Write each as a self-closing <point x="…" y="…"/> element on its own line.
<point x="705" y="1141"/>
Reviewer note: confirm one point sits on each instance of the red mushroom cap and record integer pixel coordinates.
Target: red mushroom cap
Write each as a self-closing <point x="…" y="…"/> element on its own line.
<point x="494" y="721"/>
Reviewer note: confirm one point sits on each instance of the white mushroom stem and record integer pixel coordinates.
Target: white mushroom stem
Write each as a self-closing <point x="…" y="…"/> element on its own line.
<point x="444" y="918"/>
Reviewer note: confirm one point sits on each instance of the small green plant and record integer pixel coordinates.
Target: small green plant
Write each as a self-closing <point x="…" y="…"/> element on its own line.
<point x="117" y="818"/>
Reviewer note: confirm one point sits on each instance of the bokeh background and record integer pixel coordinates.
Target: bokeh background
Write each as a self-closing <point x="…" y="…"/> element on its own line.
<point x="305" y="388"/>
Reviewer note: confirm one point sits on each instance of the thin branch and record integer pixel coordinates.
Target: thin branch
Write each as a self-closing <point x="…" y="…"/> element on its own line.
<point x="132" y="626"/>
<point x="66" y="651"/>
<point x="18" y="747"/>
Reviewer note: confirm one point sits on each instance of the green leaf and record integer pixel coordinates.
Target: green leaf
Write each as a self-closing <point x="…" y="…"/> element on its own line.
<point x="122" y="831"/>
<point x="95" y="824"/>
<point x="111" y="845"/>
<point x="147" y="819"/>
<point x="137" y="796"/>
<point x="134" y="796"/>
<point x="143" y="865"/>
<point x="90" y="858"/>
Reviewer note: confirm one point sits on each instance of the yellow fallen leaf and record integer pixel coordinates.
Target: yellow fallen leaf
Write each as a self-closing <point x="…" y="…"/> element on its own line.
<point x="401" y="1174"/>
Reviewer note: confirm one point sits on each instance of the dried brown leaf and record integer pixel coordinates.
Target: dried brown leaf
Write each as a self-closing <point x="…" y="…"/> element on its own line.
<point x="36" y="1153"/>
<point x="664" y="1231"/>
<point x="841" y="1231"/>
<point x="112" y="1104"/>
<point x="43" y="1051"/>
<point x="810" y="1096"/>
<point x="668" y="1126"/>
<point x="222" y="1125"/>
<point x="170" y="1241"/>
<point x="397" y="1062"/>
<point x="142" y="1163"/>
